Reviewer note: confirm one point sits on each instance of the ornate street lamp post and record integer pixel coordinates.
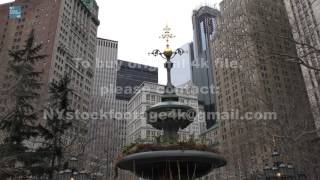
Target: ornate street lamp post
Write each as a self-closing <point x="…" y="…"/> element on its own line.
<point x="281" y="171"/>
<point x="97" y="176"/>
<point x="73" y="165"/>
<point x="71" y="172"/>
<point x="168" y="54"/>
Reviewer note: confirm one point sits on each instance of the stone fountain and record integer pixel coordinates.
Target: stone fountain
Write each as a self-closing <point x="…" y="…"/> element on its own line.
<point x="170" y="115"/>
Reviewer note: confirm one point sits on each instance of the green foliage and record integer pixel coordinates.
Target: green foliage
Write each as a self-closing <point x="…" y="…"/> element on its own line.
<point x="9" y="155"/>
<point x="23" y="92"/>
<point x="158" y="139"/>
<point x="19" y="123"/>
<point x="163" y="145"/>
<point x="57" y="124"/>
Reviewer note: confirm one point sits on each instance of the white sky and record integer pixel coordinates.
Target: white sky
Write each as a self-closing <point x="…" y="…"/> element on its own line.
<point x="137" y="25"/>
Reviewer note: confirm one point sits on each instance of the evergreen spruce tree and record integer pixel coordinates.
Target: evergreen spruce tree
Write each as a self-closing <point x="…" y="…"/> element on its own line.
<point x="57" y="123"/>
<point x="19" y="122"/>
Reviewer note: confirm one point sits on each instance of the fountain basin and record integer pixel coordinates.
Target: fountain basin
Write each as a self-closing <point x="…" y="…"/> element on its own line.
<point x="159" y="165"/>
<point x="170" y="114"/>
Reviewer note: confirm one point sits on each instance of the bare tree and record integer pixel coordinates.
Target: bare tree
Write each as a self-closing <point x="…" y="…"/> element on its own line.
<point x="263" y="53"/>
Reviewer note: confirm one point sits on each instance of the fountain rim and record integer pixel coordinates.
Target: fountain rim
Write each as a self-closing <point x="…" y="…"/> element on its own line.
<point x="169" y="104"/>
<point x="172" y="155"/>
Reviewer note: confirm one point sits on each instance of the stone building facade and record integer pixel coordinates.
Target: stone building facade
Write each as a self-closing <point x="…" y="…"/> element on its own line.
<point x="67" y="29"/>
<point x="147" y="95"/>
<point x="254" y="78"/>
<point x="304" y="16"/>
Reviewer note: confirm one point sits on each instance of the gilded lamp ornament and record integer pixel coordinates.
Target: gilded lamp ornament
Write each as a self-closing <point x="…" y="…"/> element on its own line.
<point x="168" y="54"/>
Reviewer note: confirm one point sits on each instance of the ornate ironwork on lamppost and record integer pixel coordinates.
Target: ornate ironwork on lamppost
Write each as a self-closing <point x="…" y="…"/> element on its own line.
<point x="282" y="171"/>
<point x="71" y="171"/>
<point x="168" y="54"/>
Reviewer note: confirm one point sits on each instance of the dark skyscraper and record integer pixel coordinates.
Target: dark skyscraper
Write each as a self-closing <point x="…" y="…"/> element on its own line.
<point x="204" y="28"/>
<point x="131" y="75"/>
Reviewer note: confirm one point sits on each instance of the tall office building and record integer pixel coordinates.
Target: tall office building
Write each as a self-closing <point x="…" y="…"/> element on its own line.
<point x="263" y="84"/>
<point x="104" y="131"/>
<point x="204" y="28"/>
<point x="131" y="75"/>
<point x="105" y="75"/>
<point x="67" y="29"/>
<point x="304" y="16"/>
<point x="120" y="109"/>
<point x="147" y="95"/>
<point x="114" y="82"/>
<point x="182" y="69"/>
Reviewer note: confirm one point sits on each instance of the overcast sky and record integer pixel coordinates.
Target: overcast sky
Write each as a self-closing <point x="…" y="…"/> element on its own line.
<point x="137" y="25"/>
